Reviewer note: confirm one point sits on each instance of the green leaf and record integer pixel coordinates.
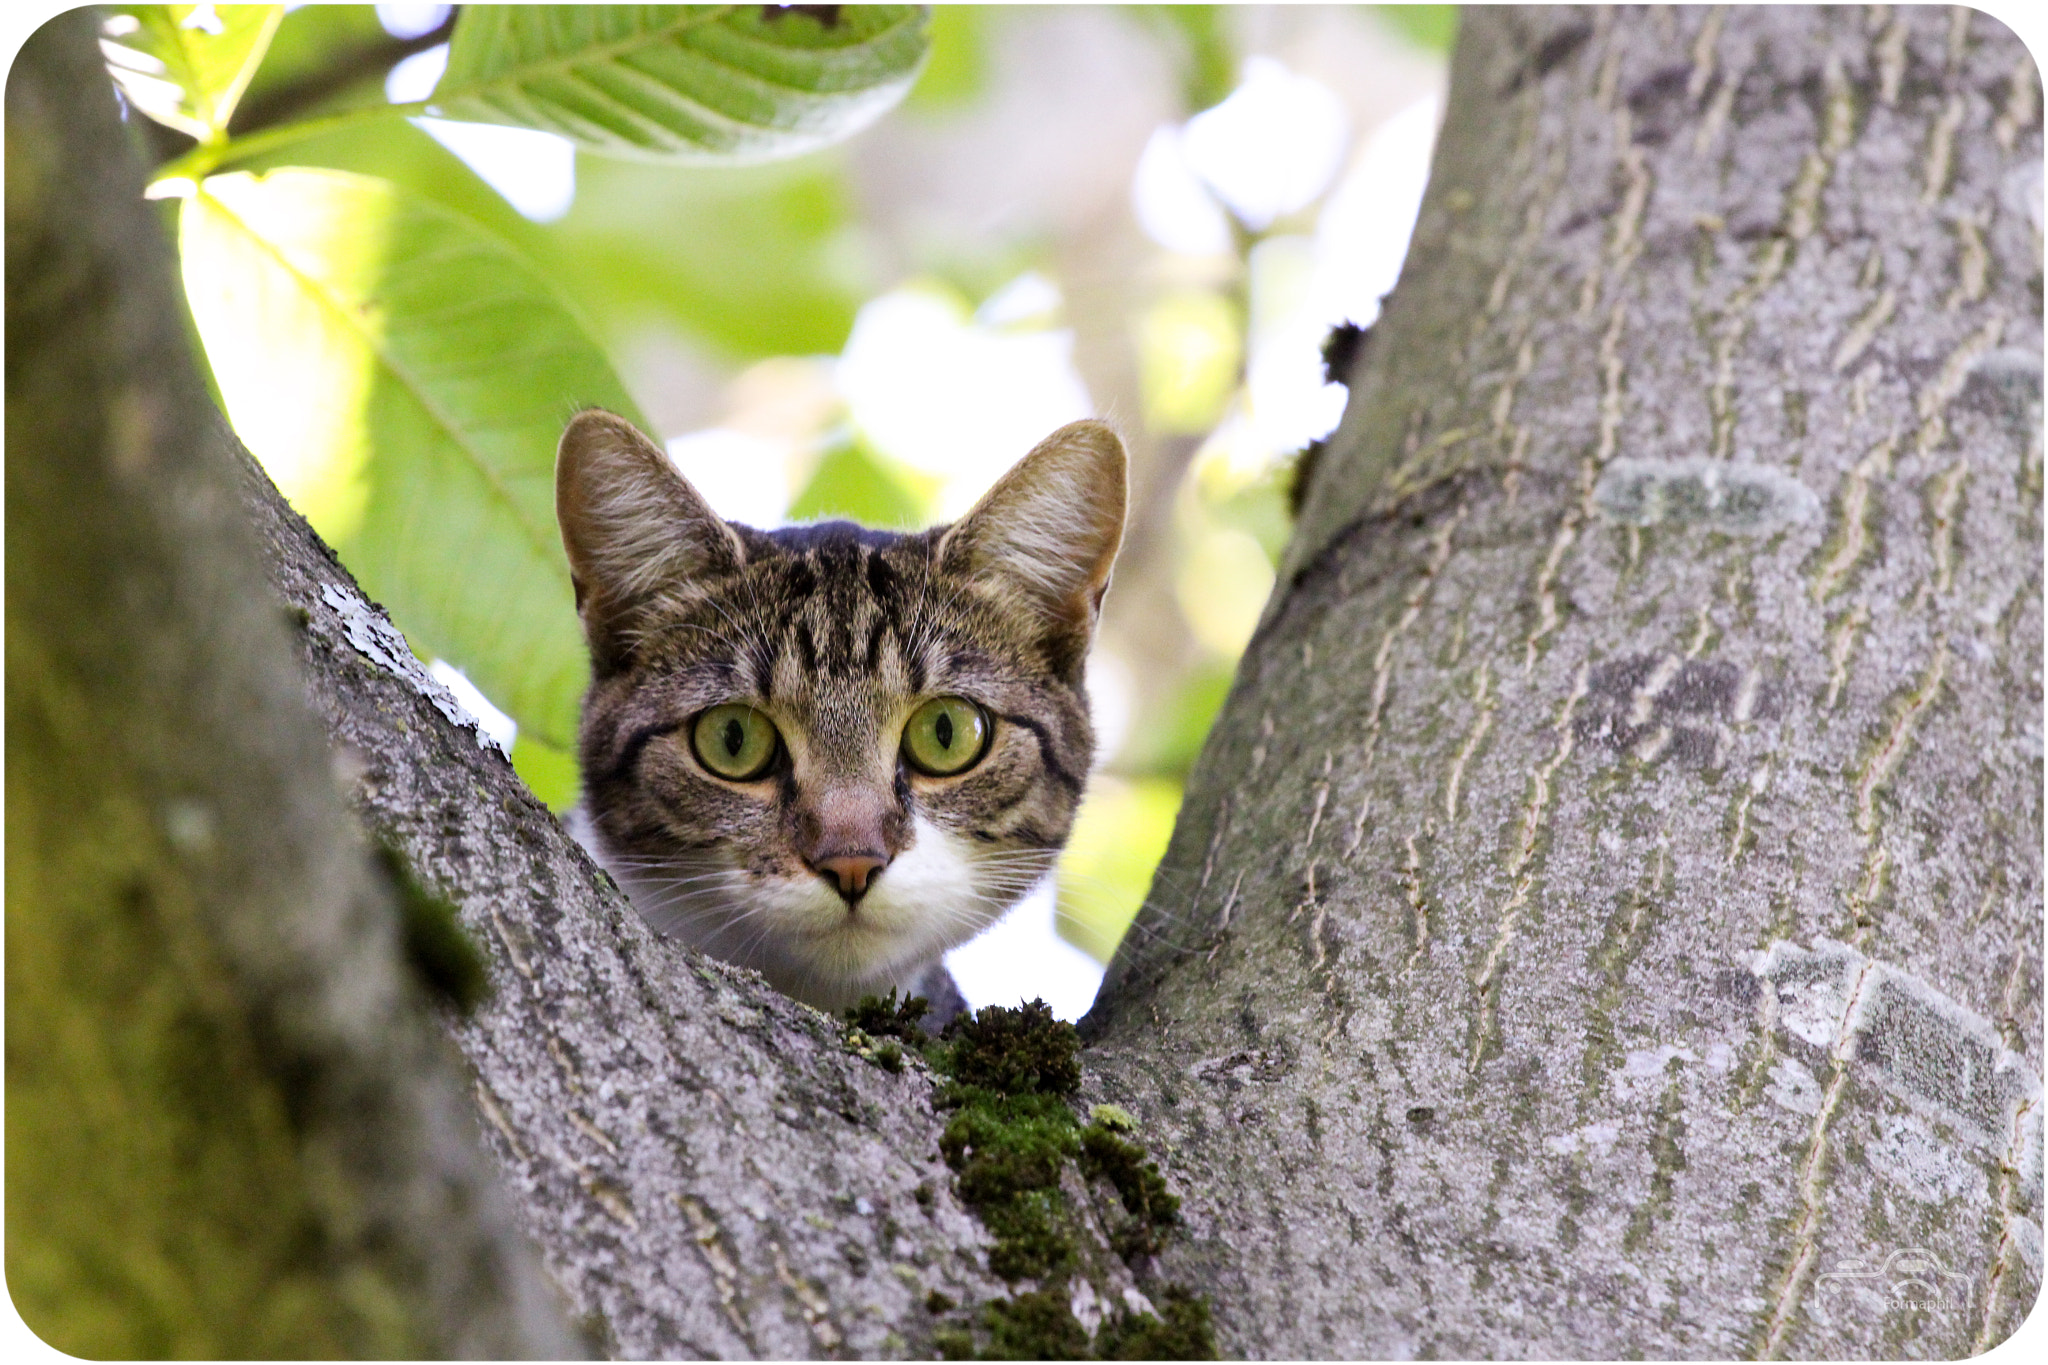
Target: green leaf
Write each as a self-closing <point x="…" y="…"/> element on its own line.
<point x="860" y="485"/>
<point x="404" y="377"/>
<point x="702" y="83"/>
<point x="957" y="72"/>
<point x="1206" y="53"/>
<point x="1119" y="836"/>
<point x="548" y="773"/>
<point x="186" y="65"/>
<point x="771" y="266"/>
<point x="1433" y="28"/>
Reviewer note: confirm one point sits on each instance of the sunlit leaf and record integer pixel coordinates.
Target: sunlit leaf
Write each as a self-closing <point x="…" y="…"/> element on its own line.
<point x="1119" y="837"/>
<point x="1166" y="738"/>
<point x="404" y="376"/>
<point x="705" y="83"/>
<point x="1190" y="354"/>
<point x="549" y="773"/>
<point x="186" y="65"/>
<point x="854" y="483"/>
<point x="1433" y="28"/>
<point x="957" y="72"/>
<point x="395" y="150"/>
<point x="756" y="261"/>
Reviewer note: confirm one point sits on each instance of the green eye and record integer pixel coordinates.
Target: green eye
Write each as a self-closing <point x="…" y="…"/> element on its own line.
<point x="946" y="735"/>
<point x="736" y="742"/>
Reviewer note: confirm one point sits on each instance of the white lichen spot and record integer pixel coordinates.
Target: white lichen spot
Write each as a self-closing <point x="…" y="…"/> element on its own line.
<point x="1736" y="499"/>
<point x="1599" y="1137"/>
<point x="1085" y="1306"/>
<point x="1794" y="1087"/>
<point x="1907" y="1153"/>
<point x="2021" y="192"/>
<point x="378" y="641"/>
<point x="1651" y="1061"/>
<point x="1900" y="1034"/>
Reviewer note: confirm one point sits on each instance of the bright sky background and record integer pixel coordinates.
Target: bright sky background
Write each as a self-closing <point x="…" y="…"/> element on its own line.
<point x="958" y="390"/>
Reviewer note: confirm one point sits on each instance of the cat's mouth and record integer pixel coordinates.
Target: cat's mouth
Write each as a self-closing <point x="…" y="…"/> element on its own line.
<point x="829" y="934"/>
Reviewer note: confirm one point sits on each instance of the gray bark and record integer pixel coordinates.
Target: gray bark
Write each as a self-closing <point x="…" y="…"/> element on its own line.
<point x="1622" y="839"/>
<point x="234" y="1127"/>
<point x="1606" y="917"/>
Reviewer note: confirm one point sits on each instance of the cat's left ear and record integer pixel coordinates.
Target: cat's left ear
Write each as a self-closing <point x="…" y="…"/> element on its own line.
<point x="1049" y="530"/>
<point x="635" y="531"/>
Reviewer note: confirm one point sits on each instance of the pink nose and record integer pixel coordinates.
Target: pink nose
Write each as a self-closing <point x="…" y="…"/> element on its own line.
<point x="850" y="872"/>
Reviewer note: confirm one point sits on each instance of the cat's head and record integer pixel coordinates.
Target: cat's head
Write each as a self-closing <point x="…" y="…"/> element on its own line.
<point x="826" y="752"/>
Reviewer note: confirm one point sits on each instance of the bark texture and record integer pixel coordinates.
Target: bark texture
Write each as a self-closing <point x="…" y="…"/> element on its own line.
<point x="234" y="1127"/>
<point x="1605" y="920"/>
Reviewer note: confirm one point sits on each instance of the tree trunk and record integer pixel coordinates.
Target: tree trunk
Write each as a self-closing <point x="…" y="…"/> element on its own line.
<point x="1605" y="920"/>
<point x="1602" y="922"/>
<point x="233" y="1127"/>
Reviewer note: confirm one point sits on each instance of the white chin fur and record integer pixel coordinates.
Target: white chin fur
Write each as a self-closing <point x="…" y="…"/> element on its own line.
<point x="939" y="892"/>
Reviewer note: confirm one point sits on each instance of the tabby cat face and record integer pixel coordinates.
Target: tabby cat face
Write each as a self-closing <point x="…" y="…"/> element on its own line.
<point x="826" y="752"/>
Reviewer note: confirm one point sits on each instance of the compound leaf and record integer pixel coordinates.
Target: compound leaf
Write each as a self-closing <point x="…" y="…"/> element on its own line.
<point x="186" y="65"/>
<point x="404" y="377"/>
<point x="692" y="83"/>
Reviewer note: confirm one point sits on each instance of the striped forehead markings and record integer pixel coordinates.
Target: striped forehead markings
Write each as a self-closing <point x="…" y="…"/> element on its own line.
<point x="806" y="646"/>
<point x="875" y="634"/>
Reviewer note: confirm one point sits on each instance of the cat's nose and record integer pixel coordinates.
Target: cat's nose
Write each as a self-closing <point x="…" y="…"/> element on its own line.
<point x="851" y="873"/>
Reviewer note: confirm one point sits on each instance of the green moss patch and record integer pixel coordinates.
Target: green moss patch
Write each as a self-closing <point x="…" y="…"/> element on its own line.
<point x="1010" y="1076"/>
<point x="1180" y="1331"/>
<point x="1153" y="1210"/>
<point x="1014" y="1052"/>
<point x="1009" y="1073"/>
<point x="1034" y="1326"/>
<point x="883" y="1017"/>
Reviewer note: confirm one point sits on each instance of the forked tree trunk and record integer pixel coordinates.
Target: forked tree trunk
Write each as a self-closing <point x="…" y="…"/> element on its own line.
<point x="233" y="1125"/>
<point x="1604" y="921"/>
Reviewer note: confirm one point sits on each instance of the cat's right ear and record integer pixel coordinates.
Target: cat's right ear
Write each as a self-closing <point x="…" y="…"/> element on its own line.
<point x="635" y="531"/>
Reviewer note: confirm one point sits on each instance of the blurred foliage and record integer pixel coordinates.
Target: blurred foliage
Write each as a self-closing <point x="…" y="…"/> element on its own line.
<point x="957" y="70"/>
<point x="1166" y="745"/>
<point x="759" y="260"/>
<point x="1202" y="42"/>
<point x="754" y="274"/>
<point x="1118" y="839"/>
<point x="1434" y="28"/>
<point x="186" y="66"/>
<point x="853" y="482"/>
<point x="550" y="773"/>
<point x="1190" y="351"/>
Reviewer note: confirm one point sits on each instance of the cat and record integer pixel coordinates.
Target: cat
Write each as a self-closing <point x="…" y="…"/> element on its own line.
<point x="826" y="752"/>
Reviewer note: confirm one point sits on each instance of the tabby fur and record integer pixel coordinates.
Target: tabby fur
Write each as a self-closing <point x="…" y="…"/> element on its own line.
<point x="837" y="634"/>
